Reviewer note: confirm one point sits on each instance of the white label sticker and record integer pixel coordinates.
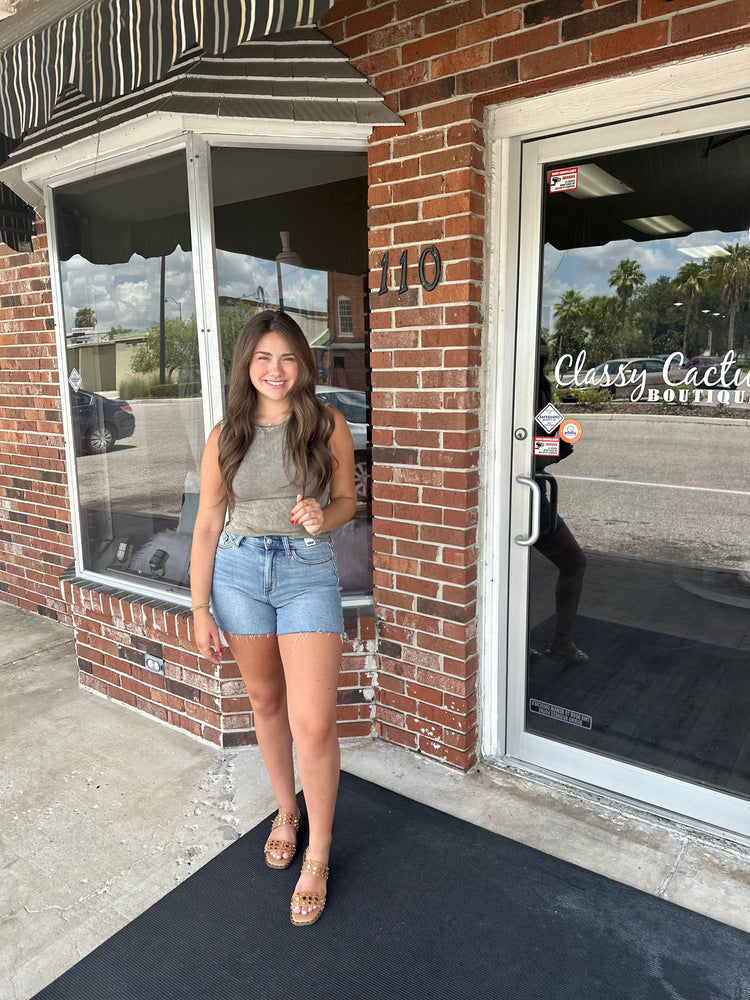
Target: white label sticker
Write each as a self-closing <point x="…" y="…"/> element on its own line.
<point x="560" y="714"/>
<point x="549" y="418"/>
<point x="563" y="180"/>
<point x="74" y="380"/>
<point x="547" y="447"/>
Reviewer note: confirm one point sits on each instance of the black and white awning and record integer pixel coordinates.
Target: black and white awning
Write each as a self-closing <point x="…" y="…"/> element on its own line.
<point x="115" y="47"/>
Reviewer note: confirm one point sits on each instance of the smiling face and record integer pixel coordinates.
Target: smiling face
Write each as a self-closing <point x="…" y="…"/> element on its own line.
<point x="273" y="370"/>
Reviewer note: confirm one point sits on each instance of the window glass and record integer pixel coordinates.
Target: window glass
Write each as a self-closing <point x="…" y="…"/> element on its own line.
<point x="123" y="242"/>
<point x="291" y="231"/>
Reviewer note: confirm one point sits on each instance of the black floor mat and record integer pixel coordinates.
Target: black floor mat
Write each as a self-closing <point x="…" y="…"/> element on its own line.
<point x="421" y="905"/>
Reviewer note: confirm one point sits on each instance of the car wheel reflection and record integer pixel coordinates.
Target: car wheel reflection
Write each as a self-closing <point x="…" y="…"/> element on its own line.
<point x="362" y="480"/>
<point x="101" y="440"/>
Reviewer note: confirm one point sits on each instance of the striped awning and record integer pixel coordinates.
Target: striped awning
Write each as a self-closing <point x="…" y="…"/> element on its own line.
<point x="114" y="47"/>
<point x="16" y="217"/>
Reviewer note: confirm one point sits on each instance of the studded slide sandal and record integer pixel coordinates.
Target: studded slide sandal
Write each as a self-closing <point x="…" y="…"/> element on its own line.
<point x="281" y="846"/>
<point x="314" y="901"/>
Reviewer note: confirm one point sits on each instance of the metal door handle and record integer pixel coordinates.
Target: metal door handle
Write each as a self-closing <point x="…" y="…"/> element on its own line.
<point x="536" y="507"/>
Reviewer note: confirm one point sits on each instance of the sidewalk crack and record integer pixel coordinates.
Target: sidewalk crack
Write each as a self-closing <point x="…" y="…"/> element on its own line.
<point x="661" y="891"/>
<point x="36" y="652"/>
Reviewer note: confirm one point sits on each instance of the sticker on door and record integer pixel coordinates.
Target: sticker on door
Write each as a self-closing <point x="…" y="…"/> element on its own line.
<point x="560" y="714"/>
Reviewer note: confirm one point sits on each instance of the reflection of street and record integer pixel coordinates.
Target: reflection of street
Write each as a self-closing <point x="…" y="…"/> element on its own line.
<point x="669" y="488"/>
<point x="149" y="472"/>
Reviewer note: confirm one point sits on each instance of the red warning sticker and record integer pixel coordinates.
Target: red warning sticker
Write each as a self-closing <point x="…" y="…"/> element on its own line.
<point x="565" y="179"/>
<point x="547" y="447"/>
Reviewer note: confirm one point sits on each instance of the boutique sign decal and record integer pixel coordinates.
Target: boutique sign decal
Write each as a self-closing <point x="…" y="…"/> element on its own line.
<point x="722" y="382"/>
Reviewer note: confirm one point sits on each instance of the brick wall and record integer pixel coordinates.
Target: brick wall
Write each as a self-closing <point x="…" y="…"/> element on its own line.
<point x="439" y="64"/>
<point x="35" y="542"/>
<point x="115" y="633"/>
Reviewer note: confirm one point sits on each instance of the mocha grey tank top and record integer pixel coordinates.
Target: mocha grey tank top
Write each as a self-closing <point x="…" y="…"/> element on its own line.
<point x="266" y="486"/>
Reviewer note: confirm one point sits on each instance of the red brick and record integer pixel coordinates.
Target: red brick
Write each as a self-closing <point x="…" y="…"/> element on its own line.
<point x="392" y="172"/>
<point x="452" y="14"/>
<point x="556" y="61"/>
<point x="461" y="61"/>
<point x="550" y="10"/>
<point x="413" y="190"/>
<point x="393" y="734"/>
<point x="444" y="114"/>
<point x="369" y="20"/>
<point x="489" y="27"/>
<point x="414" y="145"/>
<point x="618" y="44"/>
<point x="711" y="20"/>
<point x="426" y="48"/>
<point x="593" y="22"/>
<point x="427" y="93"/>
<point x="666" y="8"/>
<point x="401" y="77"/>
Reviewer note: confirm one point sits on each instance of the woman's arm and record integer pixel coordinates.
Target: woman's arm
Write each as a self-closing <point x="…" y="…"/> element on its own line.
<point x="209" y="523"/>
<point x="343" y="503"/>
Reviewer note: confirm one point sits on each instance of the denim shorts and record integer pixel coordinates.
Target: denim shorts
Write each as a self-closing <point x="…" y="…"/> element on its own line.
<point x="275" y="584"/>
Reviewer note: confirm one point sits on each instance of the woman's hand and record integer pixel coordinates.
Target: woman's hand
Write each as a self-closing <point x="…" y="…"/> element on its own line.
<point x="207" y="637"/>
<point x="309" y="514"/>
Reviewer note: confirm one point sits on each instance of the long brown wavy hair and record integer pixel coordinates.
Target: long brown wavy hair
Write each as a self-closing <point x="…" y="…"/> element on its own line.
<point x="310" y="424"/>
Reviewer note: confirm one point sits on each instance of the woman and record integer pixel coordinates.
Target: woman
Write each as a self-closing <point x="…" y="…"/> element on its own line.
<point x="282" y="464"/>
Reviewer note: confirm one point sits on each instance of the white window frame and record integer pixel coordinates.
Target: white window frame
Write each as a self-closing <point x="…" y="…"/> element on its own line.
<point x="694" y="84"/>
<point x="339" y="301"/>
<point x="144" y="139"/>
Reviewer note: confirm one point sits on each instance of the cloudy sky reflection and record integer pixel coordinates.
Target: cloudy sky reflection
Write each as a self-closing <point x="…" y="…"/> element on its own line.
<point x="127" y="295"/>
<point x="587" y="269"/>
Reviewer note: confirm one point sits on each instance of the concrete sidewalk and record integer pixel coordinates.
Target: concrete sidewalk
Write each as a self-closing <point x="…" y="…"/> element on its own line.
<point x="103" y="810"/>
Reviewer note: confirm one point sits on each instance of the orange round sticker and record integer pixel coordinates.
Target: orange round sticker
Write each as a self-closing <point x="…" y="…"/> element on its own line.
<point x="570" y="431"/>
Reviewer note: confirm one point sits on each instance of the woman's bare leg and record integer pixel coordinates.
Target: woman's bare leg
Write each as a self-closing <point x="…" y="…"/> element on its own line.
<point x="261" y="668"/>
<point x="312" y="661"/>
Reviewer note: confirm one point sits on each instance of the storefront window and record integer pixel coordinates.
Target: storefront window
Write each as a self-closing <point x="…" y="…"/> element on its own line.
<point x="291" y="232"/>
<point x="134" y="379"/>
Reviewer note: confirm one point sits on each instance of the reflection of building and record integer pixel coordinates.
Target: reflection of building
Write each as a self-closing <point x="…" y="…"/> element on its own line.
<point x="346" y="307"/>
<point x="102" y="363"/>
<point x="440" y="166"/>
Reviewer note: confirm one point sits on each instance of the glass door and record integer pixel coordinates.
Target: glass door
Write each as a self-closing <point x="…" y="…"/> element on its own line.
<point x="630" y="640"/>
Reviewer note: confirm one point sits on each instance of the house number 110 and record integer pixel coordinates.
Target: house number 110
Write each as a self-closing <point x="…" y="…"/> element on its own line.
<point x="427" y="284"/>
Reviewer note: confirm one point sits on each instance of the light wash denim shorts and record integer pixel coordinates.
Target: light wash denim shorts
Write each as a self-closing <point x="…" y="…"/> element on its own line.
<point x="275" y="583"/>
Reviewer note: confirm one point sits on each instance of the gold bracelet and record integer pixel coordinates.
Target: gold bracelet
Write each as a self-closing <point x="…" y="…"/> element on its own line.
<point x="197" y="607"/>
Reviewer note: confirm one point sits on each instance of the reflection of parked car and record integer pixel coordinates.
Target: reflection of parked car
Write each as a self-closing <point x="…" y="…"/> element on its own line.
<point x="663" y="357"/>
<point x="353" y="406"/>
<point x="98" y="422"/>
<point x="632" y="368"/>
<point x="702" y="362"/>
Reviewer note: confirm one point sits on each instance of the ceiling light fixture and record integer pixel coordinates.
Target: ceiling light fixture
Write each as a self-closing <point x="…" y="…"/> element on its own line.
<point x="658" y="225"/>
<point x="702" y="253"/>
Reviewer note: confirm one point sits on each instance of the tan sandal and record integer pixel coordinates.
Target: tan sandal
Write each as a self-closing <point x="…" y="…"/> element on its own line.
<point x="316" y="900"/>
<point x="280" y="846"/>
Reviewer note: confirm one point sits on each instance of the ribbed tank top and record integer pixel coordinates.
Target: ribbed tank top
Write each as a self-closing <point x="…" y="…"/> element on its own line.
<point x="266" y="486"/>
